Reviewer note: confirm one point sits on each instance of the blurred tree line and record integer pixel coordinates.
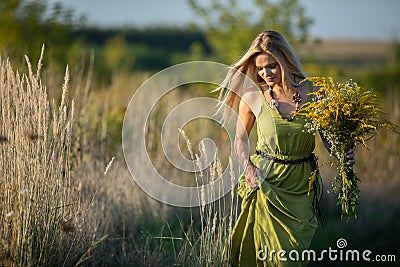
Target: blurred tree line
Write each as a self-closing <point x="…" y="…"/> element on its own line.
<point x="224" y="35"/>
<point x="230" y="28"/>
<point x="27" y="24"/>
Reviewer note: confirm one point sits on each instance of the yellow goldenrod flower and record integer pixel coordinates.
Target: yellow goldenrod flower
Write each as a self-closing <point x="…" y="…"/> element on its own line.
<point x="346" y="115"/>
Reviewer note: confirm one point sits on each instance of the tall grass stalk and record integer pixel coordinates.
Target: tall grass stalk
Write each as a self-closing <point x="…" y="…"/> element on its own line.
<point x="209" y="246"/>
<point x="36" y="208"/>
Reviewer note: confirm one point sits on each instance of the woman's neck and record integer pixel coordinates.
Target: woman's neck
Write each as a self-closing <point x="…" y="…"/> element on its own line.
<point x="278" y="88"/>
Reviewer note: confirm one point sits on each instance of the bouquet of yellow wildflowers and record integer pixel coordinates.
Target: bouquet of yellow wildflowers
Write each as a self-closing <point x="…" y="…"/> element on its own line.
<point x="345" y="115"/>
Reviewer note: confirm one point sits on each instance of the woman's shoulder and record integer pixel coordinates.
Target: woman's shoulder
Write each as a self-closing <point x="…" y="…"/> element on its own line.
<point x="312" y="89"/>
<point x="308" y="86"/>
<point x="304" y="84"/>
<point x="251" y="95"/>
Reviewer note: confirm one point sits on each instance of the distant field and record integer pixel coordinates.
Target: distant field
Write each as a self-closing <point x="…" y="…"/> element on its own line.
<point x="330" y="50"/>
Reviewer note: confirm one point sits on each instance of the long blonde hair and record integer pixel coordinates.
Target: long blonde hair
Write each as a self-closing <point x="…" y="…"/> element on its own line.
<point x="234" y="84"/>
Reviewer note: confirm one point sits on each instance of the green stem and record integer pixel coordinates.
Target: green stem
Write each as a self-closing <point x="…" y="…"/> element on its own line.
<point x="347" y="187"/>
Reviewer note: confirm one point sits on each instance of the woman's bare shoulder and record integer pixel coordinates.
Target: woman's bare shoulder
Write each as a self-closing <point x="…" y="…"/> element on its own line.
<point x="251" y="94"/>
<point x="251" y="97"/>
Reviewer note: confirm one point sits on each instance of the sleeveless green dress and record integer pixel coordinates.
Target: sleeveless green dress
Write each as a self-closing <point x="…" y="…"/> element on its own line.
<point x="279" y="215"/>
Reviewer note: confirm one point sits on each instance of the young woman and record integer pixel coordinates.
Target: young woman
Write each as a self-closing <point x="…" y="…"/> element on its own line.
<point x="280" y="207"/>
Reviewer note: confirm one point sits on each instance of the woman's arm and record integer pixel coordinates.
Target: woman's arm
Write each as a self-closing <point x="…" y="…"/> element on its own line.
<point x="350" y="155"/>
<point x="243" y="128"/>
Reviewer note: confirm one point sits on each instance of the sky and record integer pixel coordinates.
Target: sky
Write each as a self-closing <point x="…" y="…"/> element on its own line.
<point x="340" y="19"/>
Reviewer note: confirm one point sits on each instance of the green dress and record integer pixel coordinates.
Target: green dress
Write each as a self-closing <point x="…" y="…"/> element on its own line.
<point x="279" y="215"/>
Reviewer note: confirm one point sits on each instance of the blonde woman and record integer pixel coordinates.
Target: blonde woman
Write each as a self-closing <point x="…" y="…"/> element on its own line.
<point x="280" y="208"/>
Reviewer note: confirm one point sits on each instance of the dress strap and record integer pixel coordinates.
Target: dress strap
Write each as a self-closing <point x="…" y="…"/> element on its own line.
<point x="262" y="96"/>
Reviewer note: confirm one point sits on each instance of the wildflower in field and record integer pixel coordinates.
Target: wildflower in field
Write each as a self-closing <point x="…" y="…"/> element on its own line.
<point x="345" y="114"/>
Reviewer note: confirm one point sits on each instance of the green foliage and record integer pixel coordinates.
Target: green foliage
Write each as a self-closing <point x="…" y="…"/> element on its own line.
<point x="145" y="48"/>
<point x="114" y="53"/>
<point x="382" y="79"/>
<point x="28" y="24"/>
<point x="229" y="27"/>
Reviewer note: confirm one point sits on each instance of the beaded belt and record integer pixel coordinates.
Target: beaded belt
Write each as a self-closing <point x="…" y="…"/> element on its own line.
<point x="309" y="158"/>
<point x="317" y="187"/>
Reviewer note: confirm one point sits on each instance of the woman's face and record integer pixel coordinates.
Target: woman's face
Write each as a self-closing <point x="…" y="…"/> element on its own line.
<point x="268" y="69"/>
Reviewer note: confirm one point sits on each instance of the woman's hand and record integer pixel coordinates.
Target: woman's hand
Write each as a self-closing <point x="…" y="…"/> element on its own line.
<point x="350" y="156"/>
<point x="251" y="172"/>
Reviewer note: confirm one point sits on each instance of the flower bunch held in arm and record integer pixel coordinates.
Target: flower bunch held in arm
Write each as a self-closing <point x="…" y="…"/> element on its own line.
<point x="345" y="115"/>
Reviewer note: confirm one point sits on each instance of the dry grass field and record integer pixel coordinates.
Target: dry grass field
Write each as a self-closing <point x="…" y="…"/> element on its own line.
<point x="67" y="198"/>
